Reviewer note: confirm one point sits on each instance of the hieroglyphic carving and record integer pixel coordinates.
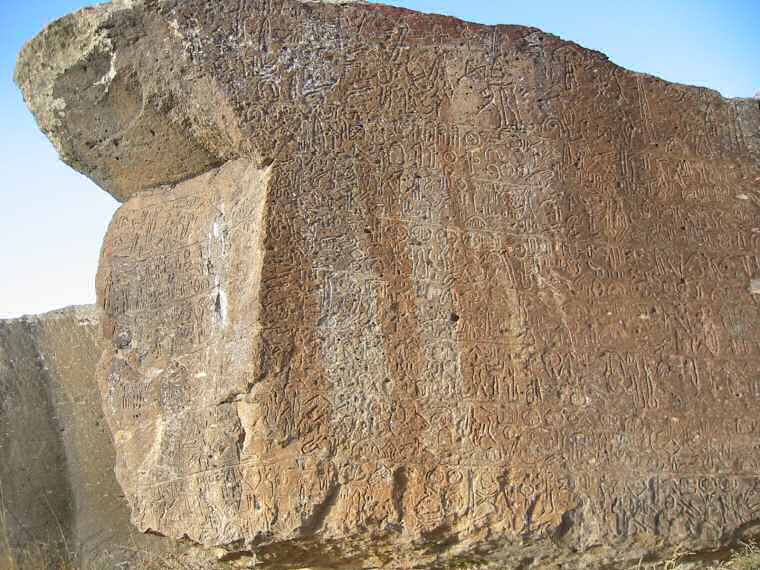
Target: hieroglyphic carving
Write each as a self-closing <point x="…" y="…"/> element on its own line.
<point x="465" y="278"/>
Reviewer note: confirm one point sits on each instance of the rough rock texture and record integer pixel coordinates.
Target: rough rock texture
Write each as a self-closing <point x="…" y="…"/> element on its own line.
<point x="59" y="500"/>
<point x="391" y="289"/>
<point x="58" y="490"/>
<point x="34" y="498"/>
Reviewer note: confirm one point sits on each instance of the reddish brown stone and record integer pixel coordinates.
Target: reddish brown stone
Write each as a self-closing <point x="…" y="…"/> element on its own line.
<point x="393" y="289"/>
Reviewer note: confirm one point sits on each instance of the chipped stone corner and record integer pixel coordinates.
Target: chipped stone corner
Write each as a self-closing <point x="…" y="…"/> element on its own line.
<point x="128" y="122"/>
<point x="62" y="45"/>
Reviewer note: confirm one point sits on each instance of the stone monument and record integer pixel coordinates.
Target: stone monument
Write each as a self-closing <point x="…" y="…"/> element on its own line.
<point x="395" y="290"/>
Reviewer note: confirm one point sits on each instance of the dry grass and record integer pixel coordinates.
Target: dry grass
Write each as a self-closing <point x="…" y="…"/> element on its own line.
<point x="45" y="558"/>
<point x="37" y="558"/>
<point x="747" y="558"/>
<point x="34" y="557"/>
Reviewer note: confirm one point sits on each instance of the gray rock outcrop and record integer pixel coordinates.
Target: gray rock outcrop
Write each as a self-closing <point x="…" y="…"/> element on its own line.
<point x="60" y="504"/>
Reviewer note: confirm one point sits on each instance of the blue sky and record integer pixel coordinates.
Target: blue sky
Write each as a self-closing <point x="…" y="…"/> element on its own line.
<point x="52" y="220"/>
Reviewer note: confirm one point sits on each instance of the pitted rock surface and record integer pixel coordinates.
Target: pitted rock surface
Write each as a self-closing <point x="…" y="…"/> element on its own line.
<point x="392" y="289"/>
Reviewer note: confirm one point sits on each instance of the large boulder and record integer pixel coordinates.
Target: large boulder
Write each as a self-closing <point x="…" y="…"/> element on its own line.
<point x="390" y="289"/>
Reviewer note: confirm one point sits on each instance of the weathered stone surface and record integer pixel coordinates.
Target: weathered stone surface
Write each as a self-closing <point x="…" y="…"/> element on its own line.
<point x="60" y="499"/>
<point x="60" y="503"/>
<point x="390" y="289"/>
<point x="34" y="498"/>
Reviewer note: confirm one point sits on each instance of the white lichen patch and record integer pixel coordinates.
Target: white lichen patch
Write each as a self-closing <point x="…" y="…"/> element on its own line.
<point x="754" y="286"/>
<point x="127" y="3"/>
<point x="110" y="75"/>
<point x="174" y="27"/>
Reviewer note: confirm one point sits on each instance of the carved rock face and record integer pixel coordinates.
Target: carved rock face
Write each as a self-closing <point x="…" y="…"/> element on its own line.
<point x="390" y="288"/>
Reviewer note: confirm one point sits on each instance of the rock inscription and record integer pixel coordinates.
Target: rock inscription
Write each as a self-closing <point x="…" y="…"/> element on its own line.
<point x="413" y="288"/>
